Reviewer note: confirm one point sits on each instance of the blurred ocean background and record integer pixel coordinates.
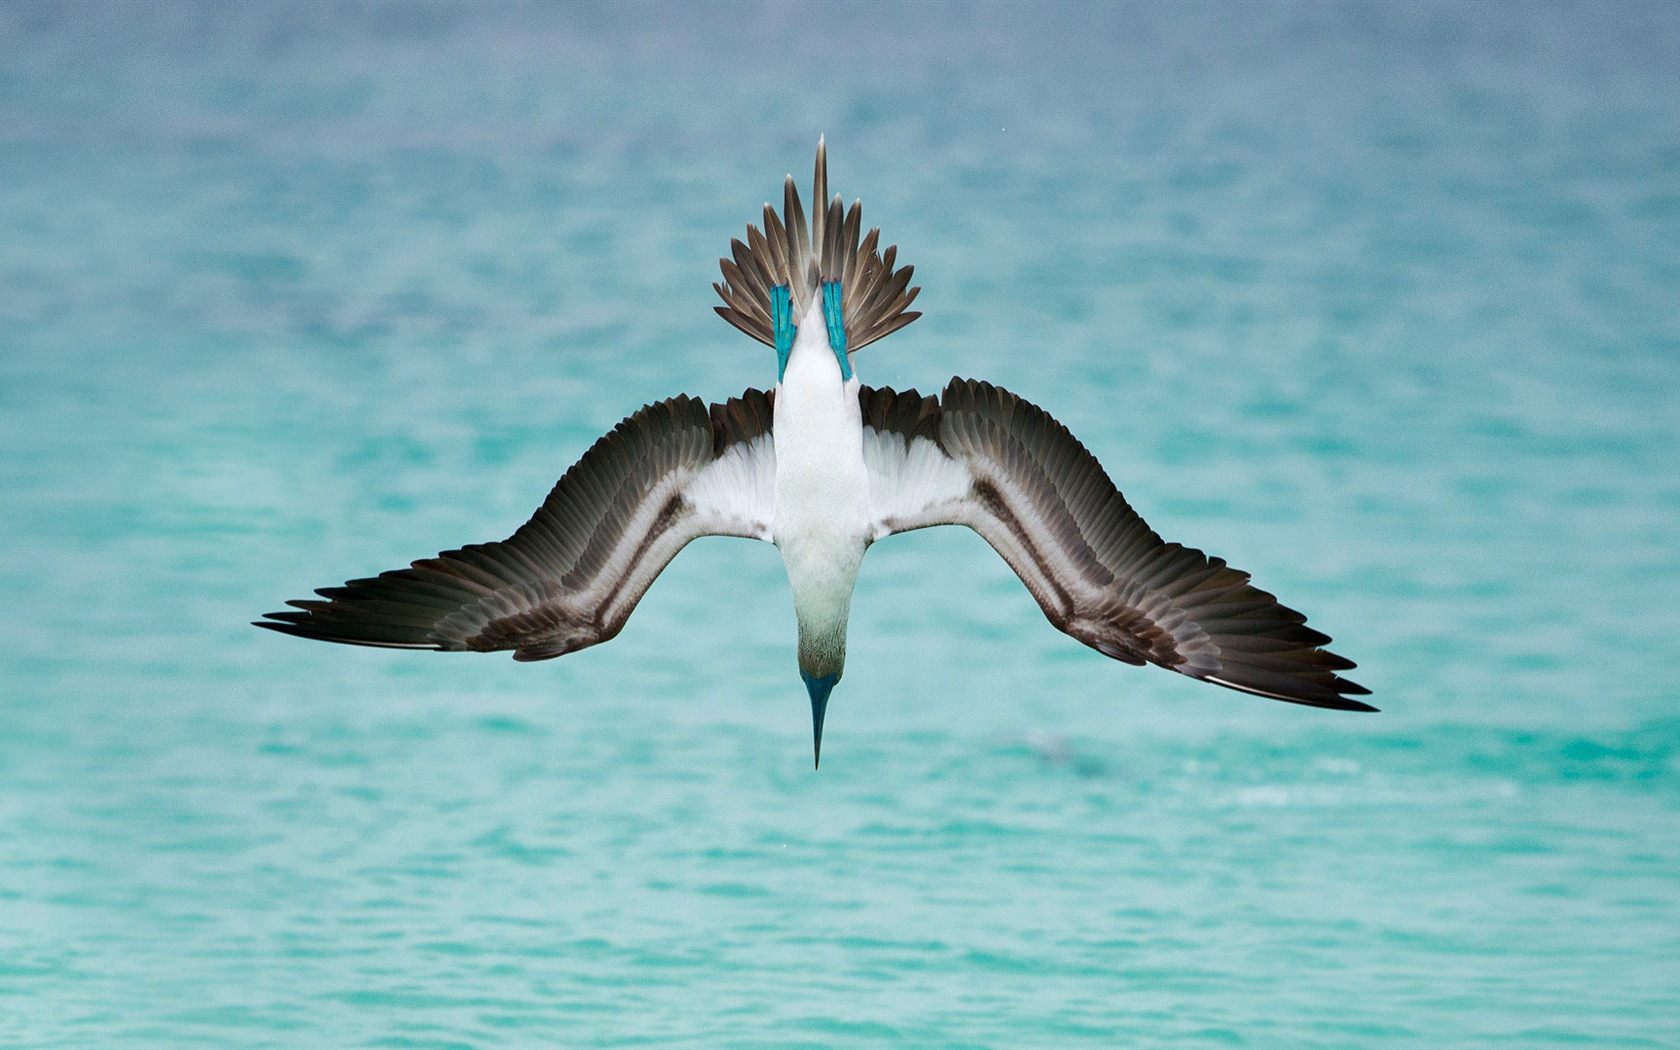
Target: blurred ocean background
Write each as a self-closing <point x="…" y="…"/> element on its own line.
<point x="1376" y="300"/>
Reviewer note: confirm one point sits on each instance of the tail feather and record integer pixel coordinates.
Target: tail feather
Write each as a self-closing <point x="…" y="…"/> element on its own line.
<point x="803" y="254"/>
<point x="819" y="196"/>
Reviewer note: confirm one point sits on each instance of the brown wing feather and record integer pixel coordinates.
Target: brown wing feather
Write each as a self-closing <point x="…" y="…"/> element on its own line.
<point x="1096" y="569"/>
<point x="570" y="577"/>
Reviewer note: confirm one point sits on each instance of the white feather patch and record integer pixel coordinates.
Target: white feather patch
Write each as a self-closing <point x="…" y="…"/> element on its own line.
<point x="736" y="493"/>
<point x="912" y="482"/>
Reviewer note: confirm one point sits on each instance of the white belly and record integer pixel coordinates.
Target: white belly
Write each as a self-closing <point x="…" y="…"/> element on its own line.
<point x="821" y="520"/>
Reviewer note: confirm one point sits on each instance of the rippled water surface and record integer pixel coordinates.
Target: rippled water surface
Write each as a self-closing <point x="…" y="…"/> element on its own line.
<point x="1376" y="301"/>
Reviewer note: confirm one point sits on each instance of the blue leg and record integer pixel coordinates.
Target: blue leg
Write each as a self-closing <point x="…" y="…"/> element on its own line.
<point x="834" y="314"/>
<point x="781" y="317"/>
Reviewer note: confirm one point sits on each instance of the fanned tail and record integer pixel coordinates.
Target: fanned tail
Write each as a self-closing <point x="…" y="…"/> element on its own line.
<point x="875" y="296"/>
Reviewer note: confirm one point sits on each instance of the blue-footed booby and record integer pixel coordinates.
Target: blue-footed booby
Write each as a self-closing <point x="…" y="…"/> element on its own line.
<point x="823" y="466"/>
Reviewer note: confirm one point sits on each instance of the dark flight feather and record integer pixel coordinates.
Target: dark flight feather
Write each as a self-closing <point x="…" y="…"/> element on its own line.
<point x="570" y="577"/>
<point x="1020" y="479"/>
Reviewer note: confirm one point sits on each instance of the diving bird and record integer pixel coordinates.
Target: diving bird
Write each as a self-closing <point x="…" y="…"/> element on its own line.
<point x="823" y="466"/>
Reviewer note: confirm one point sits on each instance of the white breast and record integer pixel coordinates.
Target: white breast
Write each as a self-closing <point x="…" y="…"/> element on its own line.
<point x="822" y="521"/>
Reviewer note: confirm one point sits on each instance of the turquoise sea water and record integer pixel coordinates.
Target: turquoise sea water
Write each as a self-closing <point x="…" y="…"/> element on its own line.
<point x="1378" y="301"/>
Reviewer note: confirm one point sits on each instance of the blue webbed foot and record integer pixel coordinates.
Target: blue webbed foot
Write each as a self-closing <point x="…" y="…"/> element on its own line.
<point x="781" y="317"/>
<point x="834" y="315"/>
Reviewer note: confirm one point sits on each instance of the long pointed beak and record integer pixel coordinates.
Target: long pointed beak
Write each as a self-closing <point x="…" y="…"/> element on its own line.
<point x="819" y="688"/>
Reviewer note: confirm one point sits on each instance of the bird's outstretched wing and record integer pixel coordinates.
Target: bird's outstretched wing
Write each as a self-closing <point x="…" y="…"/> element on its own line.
<point x="570" y="577"/>
<point x="982" y="457"/>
